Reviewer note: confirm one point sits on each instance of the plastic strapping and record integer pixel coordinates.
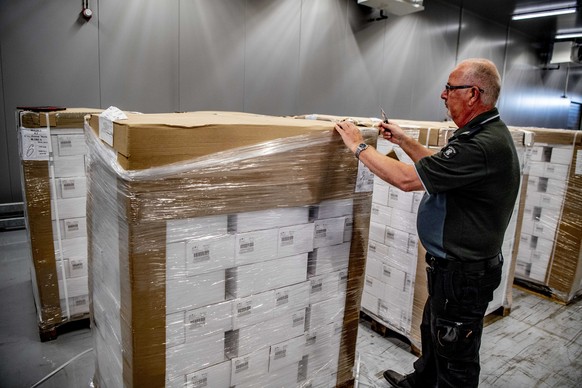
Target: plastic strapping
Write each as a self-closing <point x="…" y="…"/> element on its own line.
<point x="52" y="178"/>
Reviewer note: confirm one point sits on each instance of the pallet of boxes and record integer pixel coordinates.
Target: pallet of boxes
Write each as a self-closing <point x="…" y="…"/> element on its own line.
<point x="395" y="278"/>
<point x="52" y="152"/>
<point x="225" y="250"/>
<point x="549" y="257"/>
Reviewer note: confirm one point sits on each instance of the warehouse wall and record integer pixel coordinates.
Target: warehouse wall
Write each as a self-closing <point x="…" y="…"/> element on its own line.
<point x="280" y="57"/>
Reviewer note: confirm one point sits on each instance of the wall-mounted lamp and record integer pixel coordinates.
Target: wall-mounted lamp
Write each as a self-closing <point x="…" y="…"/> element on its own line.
<point x="541" y="14"/>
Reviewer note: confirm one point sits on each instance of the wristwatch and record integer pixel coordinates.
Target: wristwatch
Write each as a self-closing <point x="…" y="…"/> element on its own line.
<point x="359" y="150"/>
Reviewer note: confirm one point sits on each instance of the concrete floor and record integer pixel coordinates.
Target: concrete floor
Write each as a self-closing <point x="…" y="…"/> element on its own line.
<point x="538" y="345"/>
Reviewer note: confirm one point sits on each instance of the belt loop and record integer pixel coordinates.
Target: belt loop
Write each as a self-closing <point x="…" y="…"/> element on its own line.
<point x="430" y="259"/>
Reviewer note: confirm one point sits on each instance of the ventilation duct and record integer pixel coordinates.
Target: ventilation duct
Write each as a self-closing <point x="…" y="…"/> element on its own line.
<point x="565" y="52"/>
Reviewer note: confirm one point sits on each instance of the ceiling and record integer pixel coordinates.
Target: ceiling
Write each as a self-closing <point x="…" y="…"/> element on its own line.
<point x="541" y="30"/>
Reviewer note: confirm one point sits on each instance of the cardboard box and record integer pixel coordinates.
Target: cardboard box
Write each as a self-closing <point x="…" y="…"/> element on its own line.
<point x="333" y="209"/>
<point x="215" y="376"/>
<point x="253" y="309"/>
<point x="381" y="193"/>
<point x="329" y="259"/>
<point x="268" y="275"/>
<point x="286" y="353"/>
<point x="196" y="227"/>
<point x="214" y="318"/>
<point x="70" y="144"/>
<point x="192" y="356"/>
<point x="268" y="219"/>
<point x="209" y="288"/>
<point x="328" y="285"/>
<point x="329" y="231"/>
<point x="291" y="298"/>
<point x="256" y="246"/>
<point x="295" y="239"/>
<point x="250" y="367"/>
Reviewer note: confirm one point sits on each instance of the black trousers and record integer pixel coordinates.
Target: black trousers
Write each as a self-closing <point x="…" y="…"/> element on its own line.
<point x="452" y="323"/>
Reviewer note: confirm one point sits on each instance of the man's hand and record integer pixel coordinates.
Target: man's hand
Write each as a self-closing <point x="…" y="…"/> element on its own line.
<point x="350" y="134"/>
<point x="391" y="132"/>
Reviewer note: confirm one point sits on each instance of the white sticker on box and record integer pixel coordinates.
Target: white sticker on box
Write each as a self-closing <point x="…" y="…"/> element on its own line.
<point x="281" y="297"/>
<point x="34" y="143"/>
<point x="578" y="162"/>
<point x="364" y="179"/>
<point x="197" y="319"/>
<point x="106" y="120"/>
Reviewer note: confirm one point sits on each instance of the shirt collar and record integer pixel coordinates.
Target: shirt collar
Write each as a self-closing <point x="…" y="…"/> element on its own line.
<point x="475" y="125"/>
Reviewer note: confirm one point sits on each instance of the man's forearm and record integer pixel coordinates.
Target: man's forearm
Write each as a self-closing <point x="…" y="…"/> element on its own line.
<point x="414" y="149"/>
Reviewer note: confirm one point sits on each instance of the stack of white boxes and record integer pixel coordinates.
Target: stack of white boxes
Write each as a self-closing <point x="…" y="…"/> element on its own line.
<point x="52" y="152"/>
<point x="392" y="251"/>
<point x="68" y="210"/>
<point x="256" y="299"/>
<point x="547" y="168"/>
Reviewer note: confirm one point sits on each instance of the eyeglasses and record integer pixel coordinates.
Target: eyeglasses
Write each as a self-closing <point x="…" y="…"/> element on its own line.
<point x="450" y="87"/>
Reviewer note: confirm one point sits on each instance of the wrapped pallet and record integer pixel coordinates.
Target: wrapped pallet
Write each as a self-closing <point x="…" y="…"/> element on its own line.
<point x="52" y="153"/>
<point x="549" y="255"/>
<point x="225" y="250"/>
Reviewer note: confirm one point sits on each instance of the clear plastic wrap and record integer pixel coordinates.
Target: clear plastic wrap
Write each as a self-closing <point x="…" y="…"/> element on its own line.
<point x="550" y="241"/>
<point x="239" y="264"/>
<point x="52" y="152"/>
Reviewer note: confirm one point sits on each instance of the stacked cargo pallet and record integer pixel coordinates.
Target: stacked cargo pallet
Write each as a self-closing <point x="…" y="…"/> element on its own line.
<point x="549" y="256"/>
<point x="52" y="151"/>
<point x="225" y="250"/>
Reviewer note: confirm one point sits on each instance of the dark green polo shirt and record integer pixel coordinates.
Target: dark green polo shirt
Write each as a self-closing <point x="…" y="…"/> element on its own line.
<point x="471" y="188"/>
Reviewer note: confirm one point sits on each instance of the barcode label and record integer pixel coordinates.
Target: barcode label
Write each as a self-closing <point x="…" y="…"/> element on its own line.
<point x="241" y="366"/>
<point x="282" y="299"/>
<point x="66" y="143"/>
<point x="200" y="255"/>
<point x="68" y="185"/>
<point x="246" y="246"/>
<point x="286" y="239"/>
<point x="280" y="353"/>
<point x="199" y="382"/>
<point x="197" y="320"/>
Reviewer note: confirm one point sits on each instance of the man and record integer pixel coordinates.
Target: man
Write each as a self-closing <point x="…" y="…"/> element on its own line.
<point x="470" y="190"/>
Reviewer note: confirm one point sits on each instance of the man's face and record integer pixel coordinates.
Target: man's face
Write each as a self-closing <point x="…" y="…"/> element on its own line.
<point x="456" y="99"/>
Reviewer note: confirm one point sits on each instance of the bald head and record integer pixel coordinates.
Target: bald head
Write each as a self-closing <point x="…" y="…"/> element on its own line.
<point x="483" y="73"/>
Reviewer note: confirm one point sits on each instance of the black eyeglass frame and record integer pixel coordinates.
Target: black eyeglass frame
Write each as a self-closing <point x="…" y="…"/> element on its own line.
<point x="450" y="87"/>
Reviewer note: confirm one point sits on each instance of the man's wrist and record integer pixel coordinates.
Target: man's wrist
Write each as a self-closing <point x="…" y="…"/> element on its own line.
<point x="359" y="149"/>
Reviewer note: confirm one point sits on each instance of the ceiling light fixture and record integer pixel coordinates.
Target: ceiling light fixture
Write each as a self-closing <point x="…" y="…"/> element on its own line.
<point x="569" y="35"/>
<point x="540" y="14"/>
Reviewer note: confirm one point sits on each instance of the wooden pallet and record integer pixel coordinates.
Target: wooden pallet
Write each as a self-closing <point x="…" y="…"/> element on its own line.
<point x="52" y="332"/>
<point x="387" y="332"/>
<point x="542" y="291"/>
<point x="383" y="330"/>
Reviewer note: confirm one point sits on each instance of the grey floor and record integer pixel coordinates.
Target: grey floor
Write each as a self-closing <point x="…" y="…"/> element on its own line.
<point x="538" y="345"/>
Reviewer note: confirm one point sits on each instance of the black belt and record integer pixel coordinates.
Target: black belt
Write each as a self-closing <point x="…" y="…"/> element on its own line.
<point x="469" y="266"/>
